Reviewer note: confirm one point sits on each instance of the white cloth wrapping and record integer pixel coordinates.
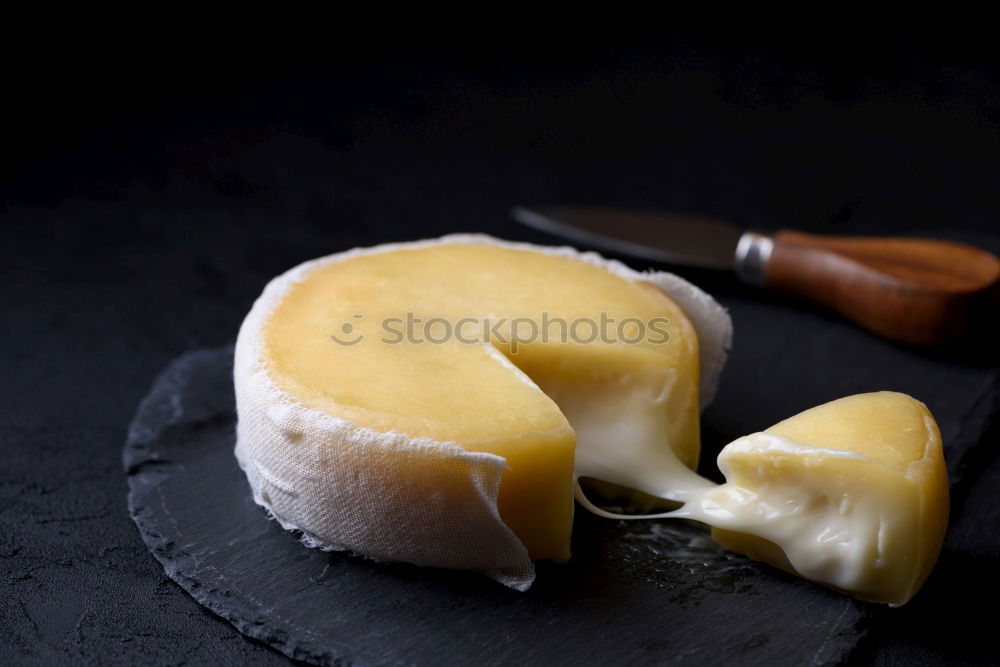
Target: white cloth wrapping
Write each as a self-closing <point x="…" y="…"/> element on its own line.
<point x="345" y="486"/>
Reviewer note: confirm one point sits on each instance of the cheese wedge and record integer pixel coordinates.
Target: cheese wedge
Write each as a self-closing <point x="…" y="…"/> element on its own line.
<point x="433" y="402"/>
<point x="852" y="494"/>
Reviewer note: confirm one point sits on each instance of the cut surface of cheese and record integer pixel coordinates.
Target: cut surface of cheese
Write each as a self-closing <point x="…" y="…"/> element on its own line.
<point x="852" y="494"/>
<point x="433" y="402"/>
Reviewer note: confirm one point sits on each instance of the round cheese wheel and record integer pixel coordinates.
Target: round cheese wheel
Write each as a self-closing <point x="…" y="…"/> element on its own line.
<point x="434" y="402"/>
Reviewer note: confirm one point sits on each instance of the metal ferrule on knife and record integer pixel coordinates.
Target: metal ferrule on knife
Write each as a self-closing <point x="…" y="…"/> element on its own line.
<point x="752" y="254"/>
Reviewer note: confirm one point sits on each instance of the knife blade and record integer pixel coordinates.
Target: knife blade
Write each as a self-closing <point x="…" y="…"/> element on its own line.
<point x="916" y="291"/>
<point x="688" y="240"/>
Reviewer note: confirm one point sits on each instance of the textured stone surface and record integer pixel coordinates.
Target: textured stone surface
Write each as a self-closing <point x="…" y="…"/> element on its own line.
<point x="151" y="232"/>
<point x="635" y="593"/>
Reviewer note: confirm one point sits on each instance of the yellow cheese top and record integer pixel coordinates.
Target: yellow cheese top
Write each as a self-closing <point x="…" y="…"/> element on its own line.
<point x="469" y="369"/>
<point x="885" y="427"/>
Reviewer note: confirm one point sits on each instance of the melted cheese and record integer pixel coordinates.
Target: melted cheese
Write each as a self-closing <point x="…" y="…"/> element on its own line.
<point x="852" y="494"/>
<point x="350" y="430"/>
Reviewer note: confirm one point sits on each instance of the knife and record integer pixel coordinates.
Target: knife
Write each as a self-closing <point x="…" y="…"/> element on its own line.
<point x="916" y="291"/>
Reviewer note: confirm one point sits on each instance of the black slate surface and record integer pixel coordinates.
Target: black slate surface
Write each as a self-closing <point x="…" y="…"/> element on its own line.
<point x="145" y="200"/>
<point x="635" y="593"/>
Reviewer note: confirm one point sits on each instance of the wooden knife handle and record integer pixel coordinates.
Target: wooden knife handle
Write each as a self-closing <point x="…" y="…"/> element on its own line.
<point x="915" y="291"/>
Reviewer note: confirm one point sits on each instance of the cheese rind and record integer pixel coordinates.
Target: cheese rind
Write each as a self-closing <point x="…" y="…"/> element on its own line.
<point x="444" y="454"/>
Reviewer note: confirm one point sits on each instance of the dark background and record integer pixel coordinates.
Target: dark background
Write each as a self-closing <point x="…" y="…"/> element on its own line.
<point x="151" y="185"/>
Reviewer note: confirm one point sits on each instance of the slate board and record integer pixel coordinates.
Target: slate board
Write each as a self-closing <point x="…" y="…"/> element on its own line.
<point x="635" y="592"/>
